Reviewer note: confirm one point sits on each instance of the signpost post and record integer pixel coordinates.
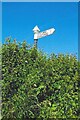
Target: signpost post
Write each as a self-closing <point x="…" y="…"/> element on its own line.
<point x="36" y="30"/>
<point x="38" y="34"/>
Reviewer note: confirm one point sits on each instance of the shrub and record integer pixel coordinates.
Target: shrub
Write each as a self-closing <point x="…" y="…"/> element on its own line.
<point x="37" y="86"/>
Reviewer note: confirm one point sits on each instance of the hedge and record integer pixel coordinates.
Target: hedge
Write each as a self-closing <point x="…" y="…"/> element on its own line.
<point x="35" y="85"/>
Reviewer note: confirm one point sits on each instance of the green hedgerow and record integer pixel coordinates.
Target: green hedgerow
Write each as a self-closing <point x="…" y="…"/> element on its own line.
<point x="37" y="86"/>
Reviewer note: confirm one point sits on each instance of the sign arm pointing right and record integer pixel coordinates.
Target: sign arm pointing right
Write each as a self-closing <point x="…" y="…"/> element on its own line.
<point x="38" y="34"/>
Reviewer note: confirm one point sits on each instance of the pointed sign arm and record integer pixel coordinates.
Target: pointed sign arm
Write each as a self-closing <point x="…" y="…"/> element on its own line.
<point x="45" y="33"/>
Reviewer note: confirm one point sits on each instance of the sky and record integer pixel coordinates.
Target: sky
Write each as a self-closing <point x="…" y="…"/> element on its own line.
<point x="19" y="19"/>
<point x="0" y="22"/>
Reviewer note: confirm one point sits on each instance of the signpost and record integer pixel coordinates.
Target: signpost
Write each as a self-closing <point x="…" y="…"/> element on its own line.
<point x="38" y="34"/>
<point x="45" y="33"/>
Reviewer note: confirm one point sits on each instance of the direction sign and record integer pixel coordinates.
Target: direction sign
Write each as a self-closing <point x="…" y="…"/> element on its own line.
<point x="45" y="33"/>
<point x="38" y="34"/>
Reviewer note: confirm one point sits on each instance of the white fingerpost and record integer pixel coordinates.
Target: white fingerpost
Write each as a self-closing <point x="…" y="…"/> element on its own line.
<point x="36" y="30"/>
<point x="38" y="34"/>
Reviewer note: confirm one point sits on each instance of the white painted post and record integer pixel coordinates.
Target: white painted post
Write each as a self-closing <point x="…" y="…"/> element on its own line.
<point x="36" y="30"/>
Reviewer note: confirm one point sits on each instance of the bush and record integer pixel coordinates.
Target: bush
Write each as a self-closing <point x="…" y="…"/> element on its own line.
<point x="37" y="86"/>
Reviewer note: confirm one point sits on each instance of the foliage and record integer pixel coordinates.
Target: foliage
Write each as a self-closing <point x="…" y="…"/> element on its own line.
<point x="37" y="86"/>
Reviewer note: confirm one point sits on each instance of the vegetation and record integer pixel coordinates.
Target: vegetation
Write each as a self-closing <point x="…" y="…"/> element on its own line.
<point x="37" y="86"/>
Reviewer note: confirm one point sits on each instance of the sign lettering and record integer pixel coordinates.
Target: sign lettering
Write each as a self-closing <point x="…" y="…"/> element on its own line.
<point x="45" y="33"/>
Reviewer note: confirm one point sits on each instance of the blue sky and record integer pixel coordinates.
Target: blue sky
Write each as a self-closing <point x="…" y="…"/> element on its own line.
<point x="0" y="22"/>
<point x="19" y="18"/>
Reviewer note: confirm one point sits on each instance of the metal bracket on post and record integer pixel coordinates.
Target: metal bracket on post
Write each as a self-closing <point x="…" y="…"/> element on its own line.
<point x="36" y="30"/>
